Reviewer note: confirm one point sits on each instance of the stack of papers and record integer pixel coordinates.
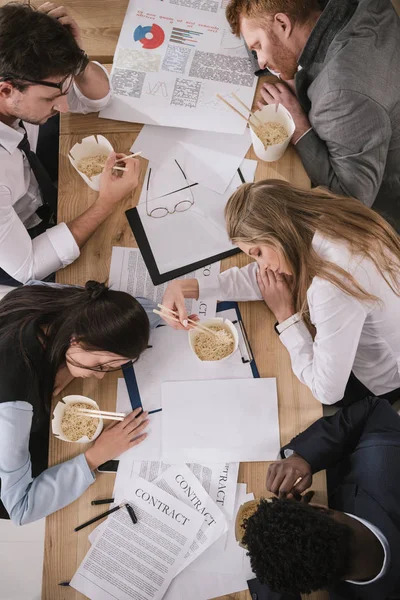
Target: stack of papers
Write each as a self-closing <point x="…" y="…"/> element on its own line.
<point x="183" y="545"/>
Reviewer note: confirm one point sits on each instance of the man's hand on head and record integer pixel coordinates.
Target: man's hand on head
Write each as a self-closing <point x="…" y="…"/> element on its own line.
<point x="62" y="15"/>
<point x="280" y="93"/>
<point x="289" y="477"/>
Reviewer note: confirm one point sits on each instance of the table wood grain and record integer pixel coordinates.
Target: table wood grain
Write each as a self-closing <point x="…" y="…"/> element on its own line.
<point x="65" y="549"/>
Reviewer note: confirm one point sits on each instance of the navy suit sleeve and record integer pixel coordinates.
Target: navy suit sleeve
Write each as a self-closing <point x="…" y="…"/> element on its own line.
<point x="330" y="439"/>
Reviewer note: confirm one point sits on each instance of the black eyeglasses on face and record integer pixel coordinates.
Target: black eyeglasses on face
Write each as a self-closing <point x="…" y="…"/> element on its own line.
<point x="59" y="86"/>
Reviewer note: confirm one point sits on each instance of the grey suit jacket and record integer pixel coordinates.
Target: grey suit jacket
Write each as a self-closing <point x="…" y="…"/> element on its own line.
<point x="349" y="84"/>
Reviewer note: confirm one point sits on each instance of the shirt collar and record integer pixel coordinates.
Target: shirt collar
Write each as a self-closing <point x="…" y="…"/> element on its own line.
<point x="386" y="551"/>
<point x="333" y="18"/>
<point x="10" y="137"/>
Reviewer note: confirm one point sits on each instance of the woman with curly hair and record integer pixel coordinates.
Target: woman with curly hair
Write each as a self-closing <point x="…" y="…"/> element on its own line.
<point x="49" y="335"/>
<point x="329" y="269"/>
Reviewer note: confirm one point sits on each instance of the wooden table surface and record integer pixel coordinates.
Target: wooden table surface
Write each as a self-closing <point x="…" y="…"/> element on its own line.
<point x="65" y="549"/>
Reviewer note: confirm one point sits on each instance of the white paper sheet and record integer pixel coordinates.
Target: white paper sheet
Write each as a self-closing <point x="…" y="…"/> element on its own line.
<point x="183" y="238"/>
<point x="180" y="482"/>
<point x="207" y="577"/>
<point x="171" y="61"/>
<point x="208" y="158"/>
<point x="138" y="561"/>
<point x="218" y="480"/>
<point x="128" y="273"/>
<point x="232" y="420"/>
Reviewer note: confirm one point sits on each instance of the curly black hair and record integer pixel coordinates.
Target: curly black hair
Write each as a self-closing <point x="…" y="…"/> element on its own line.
<point x="296" y="548"/>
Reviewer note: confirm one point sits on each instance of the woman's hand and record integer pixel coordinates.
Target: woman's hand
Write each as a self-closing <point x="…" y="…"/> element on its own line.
<point x="277" y="294"/>
<point x="174" y="299"/>
<point x="115" y="187"/>
<point x="63" y="378"/>
<point x="289" y="477"/>
<point x="118" y="438"/>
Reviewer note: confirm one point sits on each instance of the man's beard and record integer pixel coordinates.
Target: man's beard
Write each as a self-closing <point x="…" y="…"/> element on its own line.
<point x="286" y="62"/>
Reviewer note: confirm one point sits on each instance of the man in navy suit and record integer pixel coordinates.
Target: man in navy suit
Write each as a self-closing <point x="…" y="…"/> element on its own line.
<point x="351" y="548"/>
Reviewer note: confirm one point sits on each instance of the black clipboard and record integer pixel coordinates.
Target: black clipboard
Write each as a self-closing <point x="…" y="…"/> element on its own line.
<point x="157" y="278"/>
<point x="145" y="249"/>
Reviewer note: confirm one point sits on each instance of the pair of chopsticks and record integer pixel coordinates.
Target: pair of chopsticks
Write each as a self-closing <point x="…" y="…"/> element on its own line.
<point x="101" y="414"/>
<point x="247" y="119"/>
<point x="123" y="159"/>
<point x="173" y="314"/>
<point x="128" y="507"/>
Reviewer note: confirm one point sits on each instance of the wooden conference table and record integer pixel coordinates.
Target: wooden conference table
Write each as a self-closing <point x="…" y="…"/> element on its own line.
<point x="64" y="549"/>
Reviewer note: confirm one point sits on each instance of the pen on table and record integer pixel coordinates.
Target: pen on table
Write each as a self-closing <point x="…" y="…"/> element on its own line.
<point x="104" y="514"/>
<point x="105" y="501"/>
<point x="131" y="513"/>
<point x="64" y="583"/>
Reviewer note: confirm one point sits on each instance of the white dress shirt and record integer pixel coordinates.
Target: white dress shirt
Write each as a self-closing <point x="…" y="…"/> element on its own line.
<point x="352" y="335"/>
<point x="386" y="551"/>
<point x="20" y="197"/>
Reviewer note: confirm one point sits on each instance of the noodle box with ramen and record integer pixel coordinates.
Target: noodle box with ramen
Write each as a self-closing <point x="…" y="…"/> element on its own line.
<point x="272" y="113"/>
<point x="57" y="424"/>
<point x="86" y="148"/>
<point x="219" y="323"/>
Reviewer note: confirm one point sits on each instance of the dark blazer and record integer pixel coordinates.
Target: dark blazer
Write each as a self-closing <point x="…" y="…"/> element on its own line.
<point x="360" y="448"/>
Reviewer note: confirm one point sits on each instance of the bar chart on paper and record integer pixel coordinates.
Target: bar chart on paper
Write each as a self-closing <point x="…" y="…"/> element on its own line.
<point x="186" y="37"/>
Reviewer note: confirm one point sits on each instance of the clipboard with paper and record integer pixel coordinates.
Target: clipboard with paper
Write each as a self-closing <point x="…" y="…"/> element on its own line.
<point x="170" y="359"/>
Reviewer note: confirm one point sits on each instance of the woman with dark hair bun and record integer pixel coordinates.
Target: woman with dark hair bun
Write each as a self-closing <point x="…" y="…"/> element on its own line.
<point x="50" y="334"/>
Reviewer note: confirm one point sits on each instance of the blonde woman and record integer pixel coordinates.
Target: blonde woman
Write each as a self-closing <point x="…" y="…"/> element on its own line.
<point x="324" y="264"/>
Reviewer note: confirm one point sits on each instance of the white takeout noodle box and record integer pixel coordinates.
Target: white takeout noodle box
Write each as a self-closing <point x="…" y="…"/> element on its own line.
<point x="272" y="113"/>
<point x="216" y="321"/>
<point x="58" y="414"/>
<point x="89" y="146"/>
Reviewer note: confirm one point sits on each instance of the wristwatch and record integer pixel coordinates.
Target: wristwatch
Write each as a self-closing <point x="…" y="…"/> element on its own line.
<point x="281" y="327"/>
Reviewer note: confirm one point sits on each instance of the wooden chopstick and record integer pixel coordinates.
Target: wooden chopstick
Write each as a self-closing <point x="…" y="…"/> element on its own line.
<point x="197" y="324"/>
<point x="246" y="107"/>
<point x="116" y="168"/>
<point x="105" y="412"/>
<point x="172" y="318"/>
<point x="236" y="111"/>
<point x="130" y="156"/>
<point x="99" y="416"/>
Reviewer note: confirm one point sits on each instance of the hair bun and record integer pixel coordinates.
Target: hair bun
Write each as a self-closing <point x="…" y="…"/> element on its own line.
<point x="95" y="289"/>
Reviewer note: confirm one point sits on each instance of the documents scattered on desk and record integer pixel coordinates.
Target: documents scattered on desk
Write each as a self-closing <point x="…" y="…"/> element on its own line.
<point x="197" y="234"/>
<point x="172" y="58"/>
<point x="139" y="561"/>
<point x="128" y="273"/>
<point x="231" y="420"/>
<point x="208" y="158"/>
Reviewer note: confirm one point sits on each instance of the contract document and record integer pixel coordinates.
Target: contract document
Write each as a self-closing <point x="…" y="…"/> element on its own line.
<point x="128" y="561"/>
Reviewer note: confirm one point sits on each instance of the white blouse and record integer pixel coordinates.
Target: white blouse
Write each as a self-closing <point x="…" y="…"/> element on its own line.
<point x="352" y="335"/>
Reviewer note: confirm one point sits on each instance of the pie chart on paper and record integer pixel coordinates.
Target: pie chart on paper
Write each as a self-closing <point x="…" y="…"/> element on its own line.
<point x="151" y="36"/>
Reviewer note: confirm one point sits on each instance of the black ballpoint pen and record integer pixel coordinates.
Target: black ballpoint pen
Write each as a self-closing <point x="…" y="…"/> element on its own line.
<point x="104" y="514"/>
<point x="105" y="501"/>
<point x="64" y="583"/>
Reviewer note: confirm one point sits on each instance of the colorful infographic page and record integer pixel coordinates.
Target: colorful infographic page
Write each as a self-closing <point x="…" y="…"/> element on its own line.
<point x="172" y="59"/>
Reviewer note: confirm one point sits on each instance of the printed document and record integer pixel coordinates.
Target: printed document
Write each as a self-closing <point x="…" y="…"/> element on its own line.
<point x="128" y="273"/>
<point x="172" y="59"/>
<point x="180" y="482"/>
<point x="139" y="561"/>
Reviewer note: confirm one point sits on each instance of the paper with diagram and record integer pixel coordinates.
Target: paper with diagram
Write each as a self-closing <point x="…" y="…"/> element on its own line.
<point x="171" y="60"/>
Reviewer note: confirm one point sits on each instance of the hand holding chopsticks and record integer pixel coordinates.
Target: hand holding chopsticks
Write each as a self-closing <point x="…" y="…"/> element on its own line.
<point x="174" y="316"/>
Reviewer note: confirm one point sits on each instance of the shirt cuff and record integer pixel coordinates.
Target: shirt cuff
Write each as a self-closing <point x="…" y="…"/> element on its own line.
<point x="90" y="104"/>
<point x="209" y="290"/>
<point x="64" y="243"/>
<point x="88" y="474"/>
<point x="296" y="335"/>
<point x="301" y="137"/>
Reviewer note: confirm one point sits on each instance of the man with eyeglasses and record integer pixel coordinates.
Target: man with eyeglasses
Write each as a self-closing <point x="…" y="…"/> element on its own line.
<point x="44" y="71"/>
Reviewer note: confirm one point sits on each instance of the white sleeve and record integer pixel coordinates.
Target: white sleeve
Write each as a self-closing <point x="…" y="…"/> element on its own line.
<point x="25" y="498"/>
<point x="25" y="259"/>
<point x="325" y="364"/>
<point x="234" y="284"/>
<point x="78" y="103"/>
